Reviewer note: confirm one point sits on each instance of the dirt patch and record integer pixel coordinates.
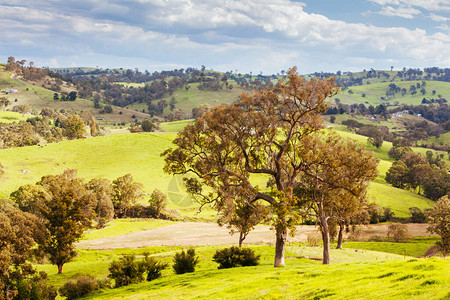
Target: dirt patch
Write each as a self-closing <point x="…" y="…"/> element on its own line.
<point x="196" y="234"/>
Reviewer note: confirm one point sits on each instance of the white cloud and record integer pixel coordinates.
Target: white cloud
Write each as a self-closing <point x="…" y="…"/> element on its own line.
<point x="403" y="12"/>
<point x="258" y="35"/>
<point x="430" y="5"/>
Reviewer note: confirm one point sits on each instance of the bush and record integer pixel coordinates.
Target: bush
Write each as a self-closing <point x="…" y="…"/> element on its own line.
<point x="185" y="262"/>
<point x="126" y="270"/>
<point x="36" y="288"/>
<point x="153" y="267"/>
<point x="84" y="285"/>
<point x="235" y="256"/>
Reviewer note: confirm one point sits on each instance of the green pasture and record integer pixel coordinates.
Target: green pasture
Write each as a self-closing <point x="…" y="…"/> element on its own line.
<point x="416" y="247"/>
<point x="352" y="275"/>
<point x="375" y="91"/>
<point x="115" y="155"/>
<point x="123" y="226"/>
<point x="175" y="126"/>
<point x="10" y="117"/>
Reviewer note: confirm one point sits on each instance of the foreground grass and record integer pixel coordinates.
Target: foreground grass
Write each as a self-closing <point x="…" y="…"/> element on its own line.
<point x="404" y="279"/>
<point x="416" y="247"/>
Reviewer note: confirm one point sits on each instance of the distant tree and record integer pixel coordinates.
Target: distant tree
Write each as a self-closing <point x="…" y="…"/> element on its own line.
<point x="157" y="203"/>
<point x="65" y="207"/>
<point x="56" y="96"/>
<point x="148" y="126"/>
<point x="439" y="218"/>
<point x="332" y="119"/>
<point x="72" y="96"/>
<point x="22" y="108"/>
<point x="103" y="193"/>
<point x="126" y="193"/>
<point x="397" y="231"/>
<point x="108" y="109"/>
<point x="4" y="102"/>
<point x="376" y="141"/>
<point x="74" y="127"/>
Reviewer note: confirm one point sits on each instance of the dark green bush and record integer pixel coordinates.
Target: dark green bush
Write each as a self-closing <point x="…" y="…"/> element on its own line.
<point x="235" y="256"/>
<point x="185" y="262"/>
<point x="36" y="288"/>
<point x="83" y="285"/>
<point x="153" y="267"/>
<point x="126" y="270"/>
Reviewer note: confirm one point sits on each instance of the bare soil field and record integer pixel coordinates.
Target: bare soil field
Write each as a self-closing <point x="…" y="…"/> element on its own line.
<point x="196" y="234"/>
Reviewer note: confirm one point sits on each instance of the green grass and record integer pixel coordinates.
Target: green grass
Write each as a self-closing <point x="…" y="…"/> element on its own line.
<point x="415" y="248"/>
<point x="10" y="117"/>
<point x="186" y="100"/>
<point x="375" y="91"/>
<point x="388" y="277"/>
<point x="175" y="126"/>
<point x="122" y="226"/>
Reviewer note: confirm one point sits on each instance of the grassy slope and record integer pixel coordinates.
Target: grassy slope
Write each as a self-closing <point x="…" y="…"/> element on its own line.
<point x="363" y="274"/>
<point x="139" y="154"/>
<point x="187" y="100"/>
<point x="377" y="90"/>
<point x="39" y="98"/>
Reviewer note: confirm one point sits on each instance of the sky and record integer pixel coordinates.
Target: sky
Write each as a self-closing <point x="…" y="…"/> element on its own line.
<point x="256" y="36"/>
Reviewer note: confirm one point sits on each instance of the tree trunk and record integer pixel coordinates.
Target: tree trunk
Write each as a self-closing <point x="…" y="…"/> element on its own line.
<point x="60" y="269"/>
<point x="325" y="238"/>
<point x="340" y="236"/>
<point x="241" y="238"/>
<point x="280" y="244"/>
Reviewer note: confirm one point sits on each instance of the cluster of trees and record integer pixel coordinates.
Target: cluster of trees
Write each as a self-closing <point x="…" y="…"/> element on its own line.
<point x="50" y="126"/>
<point x="428" y="175"/>
<point x="274" y="132"/>
<point x="65" y="206"/>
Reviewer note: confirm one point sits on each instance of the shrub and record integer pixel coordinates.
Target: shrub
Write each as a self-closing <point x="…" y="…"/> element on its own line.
<point x="84" y="285"/>
<point x="126" y="270"/>
<point x="36" y="288"/>
<point x="185" y="262"/>
<point x="235" y="256"/>
<point x="153" y="267"/>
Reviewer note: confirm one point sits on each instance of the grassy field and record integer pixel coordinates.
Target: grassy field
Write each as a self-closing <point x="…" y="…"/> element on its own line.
<point x="375" y="91"/>
<point x="122" y="226"/>
<point x="174" y="126"/>
<point x="115" y="155"/>
<point x="10" y="117"/>
<point x="352" y="275"/>
<point x="416" y="247"/>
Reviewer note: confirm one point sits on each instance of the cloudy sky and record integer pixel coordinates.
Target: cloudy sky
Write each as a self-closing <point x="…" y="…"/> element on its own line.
<point x="248" y="35"/>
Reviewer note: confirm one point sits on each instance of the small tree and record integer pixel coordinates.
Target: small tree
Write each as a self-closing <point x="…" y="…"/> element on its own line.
<point x="157" y="203"/>
<point x="397" y="231"/>
<point x="439" y="218"/>
<point x="65" y="208"/>
<point x="103" y="193"/>
<point x="126" y="270"/>
<point x="4" y="102"/>
<point x="74" y="127"/>
<point x="126" y="193"/>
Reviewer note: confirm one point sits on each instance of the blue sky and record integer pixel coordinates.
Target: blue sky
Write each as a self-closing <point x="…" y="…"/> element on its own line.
<point x="252" y="35"/>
